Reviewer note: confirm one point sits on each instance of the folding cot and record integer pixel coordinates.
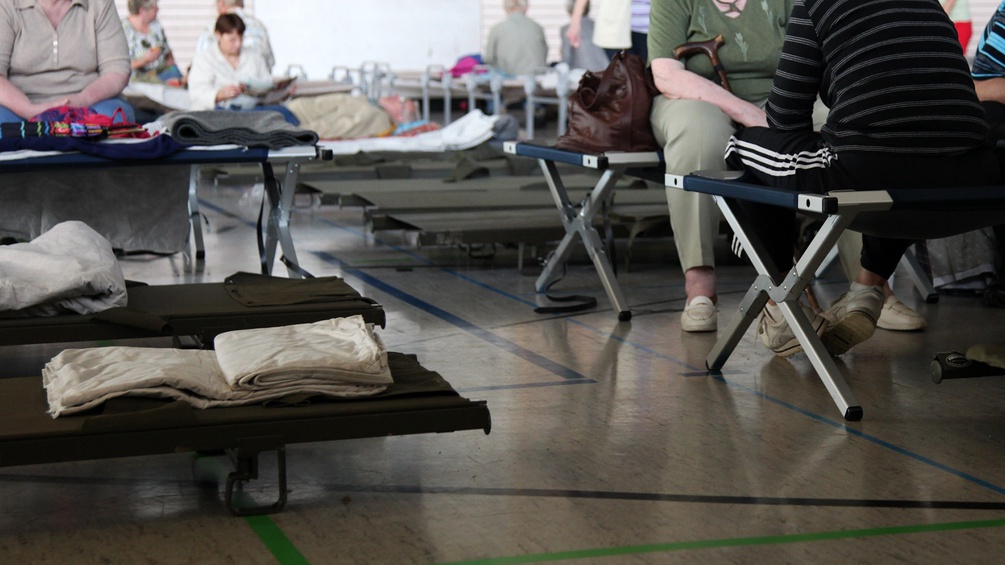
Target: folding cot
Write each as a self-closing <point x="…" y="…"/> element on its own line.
<point x="579" y="222"/>
<point x="279" y="201"/>
<point x="900" y="213"/>
<point x="200" y="310"/>
<point x="419" y="401"/>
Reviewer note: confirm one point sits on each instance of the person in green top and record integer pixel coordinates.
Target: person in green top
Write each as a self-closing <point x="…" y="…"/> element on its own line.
<point x="694" y="117"/>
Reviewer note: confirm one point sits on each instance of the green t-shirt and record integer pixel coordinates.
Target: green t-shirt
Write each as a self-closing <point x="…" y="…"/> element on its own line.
<point x="753" y="40"/>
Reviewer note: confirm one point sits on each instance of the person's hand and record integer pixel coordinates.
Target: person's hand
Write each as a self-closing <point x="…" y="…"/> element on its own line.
<point x="152" y="55"/>
<point x="573" y="33"/>
<point x="752" y="116"/>
<point x="39" y="107"/>
<point x="228" y="92"/>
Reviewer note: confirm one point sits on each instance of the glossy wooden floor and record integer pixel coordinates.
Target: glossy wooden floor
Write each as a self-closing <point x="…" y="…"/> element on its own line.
<point x="610" y="443"/>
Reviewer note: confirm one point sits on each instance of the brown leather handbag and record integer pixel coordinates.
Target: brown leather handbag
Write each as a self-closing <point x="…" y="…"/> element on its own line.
<point x="610" y="110"/>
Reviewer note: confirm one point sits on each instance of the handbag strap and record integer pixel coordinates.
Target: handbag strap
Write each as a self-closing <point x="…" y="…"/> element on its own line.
<point x="607" y="80"/>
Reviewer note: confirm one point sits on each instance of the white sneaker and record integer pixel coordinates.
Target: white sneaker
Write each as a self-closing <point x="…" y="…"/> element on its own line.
<point x="852" y="318"/>
<point x="699" y="315"/>
<point x="776" y="334"/>
<point x="899" y="317"/>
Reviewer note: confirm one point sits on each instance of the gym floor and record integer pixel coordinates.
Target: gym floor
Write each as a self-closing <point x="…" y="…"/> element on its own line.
<point x="610" y="441"/>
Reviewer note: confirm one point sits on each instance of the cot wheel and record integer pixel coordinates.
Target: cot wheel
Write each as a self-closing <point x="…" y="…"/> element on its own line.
<point x="625" y="316"/>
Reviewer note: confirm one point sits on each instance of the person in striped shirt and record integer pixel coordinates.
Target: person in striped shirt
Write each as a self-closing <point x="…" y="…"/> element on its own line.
<point x="903" y="114"/>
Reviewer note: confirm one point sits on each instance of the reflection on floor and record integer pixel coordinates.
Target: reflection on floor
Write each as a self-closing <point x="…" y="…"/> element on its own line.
<point x="610" y="442"/>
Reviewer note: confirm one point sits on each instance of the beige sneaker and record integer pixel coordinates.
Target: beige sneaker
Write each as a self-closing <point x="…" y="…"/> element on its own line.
<point x="899" y="317"/>
<point x="699" y="315"/>
<point x="777" y="336"/>
<point x="852" y="318"/>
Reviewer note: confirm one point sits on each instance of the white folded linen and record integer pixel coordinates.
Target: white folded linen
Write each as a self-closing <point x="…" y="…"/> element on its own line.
<point x="79" y="379"/>
<point x="342" y="349"/>
<point x="71" y="268"/>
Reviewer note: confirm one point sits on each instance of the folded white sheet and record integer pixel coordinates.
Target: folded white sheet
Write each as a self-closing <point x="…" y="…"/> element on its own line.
<point x="71" y="268"/>
<point x="79" y="379"/>
<point x="342" y="349"/>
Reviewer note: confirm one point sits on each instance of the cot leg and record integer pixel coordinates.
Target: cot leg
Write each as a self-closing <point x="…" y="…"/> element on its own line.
<point x="194" y="215"/>
<point x="750" y="307"/>
<point x="277" y="229"/>
<point x="786" y="294"/>
<point x="247" y="470"/>
<point x="918" y="277"/>
<point x="580" y="224"/>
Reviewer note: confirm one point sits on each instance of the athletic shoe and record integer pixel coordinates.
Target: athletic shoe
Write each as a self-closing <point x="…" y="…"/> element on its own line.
<point x="699" y="315"/>
<point x="852" y="318"/>
<point x="899" y="317"/>
<point x="777" y="336"/>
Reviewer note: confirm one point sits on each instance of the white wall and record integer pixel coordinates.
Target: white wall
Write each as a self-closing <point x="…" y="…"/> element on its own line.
<point x="403" y="33"/>
<point x="407" y="34"/>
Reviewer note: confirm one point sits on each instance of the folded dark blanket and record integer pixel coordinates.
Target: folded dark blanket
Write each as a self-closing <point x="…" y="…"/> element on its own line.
<point x="252" y="129"/>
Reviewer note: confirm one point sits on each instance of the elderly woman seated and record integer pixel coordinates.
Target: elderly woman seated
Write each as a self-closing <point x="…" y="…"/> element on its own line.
<point x="86" y="64"/>
<point x="149" y="53"/>
<point x="224" y="76"/>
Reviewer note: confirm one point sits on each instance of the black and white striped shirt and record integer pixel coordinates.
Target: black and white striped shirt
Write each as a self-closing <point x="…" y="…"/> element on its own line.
<point x="891" y="71"/>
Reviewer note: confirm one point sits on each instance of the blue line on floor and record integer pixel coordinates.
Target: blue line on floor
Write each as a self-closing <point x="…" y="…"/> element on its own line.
<point x="479" y="332"/>
<point x="867" y="437"/>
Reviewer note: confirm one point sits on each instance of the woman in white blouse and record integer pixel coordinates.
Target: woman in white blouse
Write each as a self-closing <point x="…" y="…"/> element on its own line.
<point x="222" y="74"/>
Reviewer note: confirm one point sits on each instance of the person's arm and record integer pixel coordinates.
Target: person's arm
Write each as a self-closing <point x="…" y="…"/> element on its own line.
<point x="14" y="100"/>
<point x="798" y="77"/>
<point x="669" y="26"/>
<point x="149" y="57"/>
<point x="948" y="5"/>
<point x="992" y="89"/>
<point x="676" y="82"/>
<point x="202" y="89"/>
<point x="574" y="33"/>
<point x="988" y="71"/>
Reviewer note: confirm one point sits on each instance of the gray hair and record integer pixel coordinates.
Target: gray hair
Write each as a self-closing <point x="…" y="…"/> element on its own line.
<point x="513" y="5"/>
<point x="135" y="6"/>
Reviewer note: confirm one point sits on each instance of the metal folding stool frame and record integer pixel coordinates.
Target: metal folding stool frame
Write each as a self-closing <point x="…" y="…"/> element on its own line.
<point x="578" y="223"/>
<point x="922" y="213"/>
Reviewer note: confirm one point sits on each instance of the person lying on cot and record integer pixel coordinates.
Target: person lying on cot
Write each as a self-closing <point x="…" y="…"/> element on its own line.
<point x="62" y="53"/>
<point x="223" y="75"/>
<point x="903" y="114"/>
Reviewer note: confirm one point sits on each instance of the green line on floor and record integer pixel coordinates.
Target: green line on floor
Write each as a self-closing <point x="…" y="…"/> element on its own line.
<point x="276" y="541"/>
<point x="736" y="542"/>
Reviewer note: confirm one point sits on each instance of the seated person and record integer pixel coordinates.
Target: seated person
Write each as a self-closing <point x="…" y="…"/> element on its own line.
<point x="516" y="45"/>
<point x="220" y="75"/>
<point x="694" y="117"/>
<point x="150" y="56"/>
<point x="90" y="47"/>
<point x="904" y="114"/>
<point x="256" y="37"/>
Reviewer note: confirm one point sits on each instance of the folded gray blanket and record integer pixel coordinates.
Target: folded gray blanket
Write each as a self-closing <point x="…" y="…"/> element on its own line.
<point x="220" y="127"/>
